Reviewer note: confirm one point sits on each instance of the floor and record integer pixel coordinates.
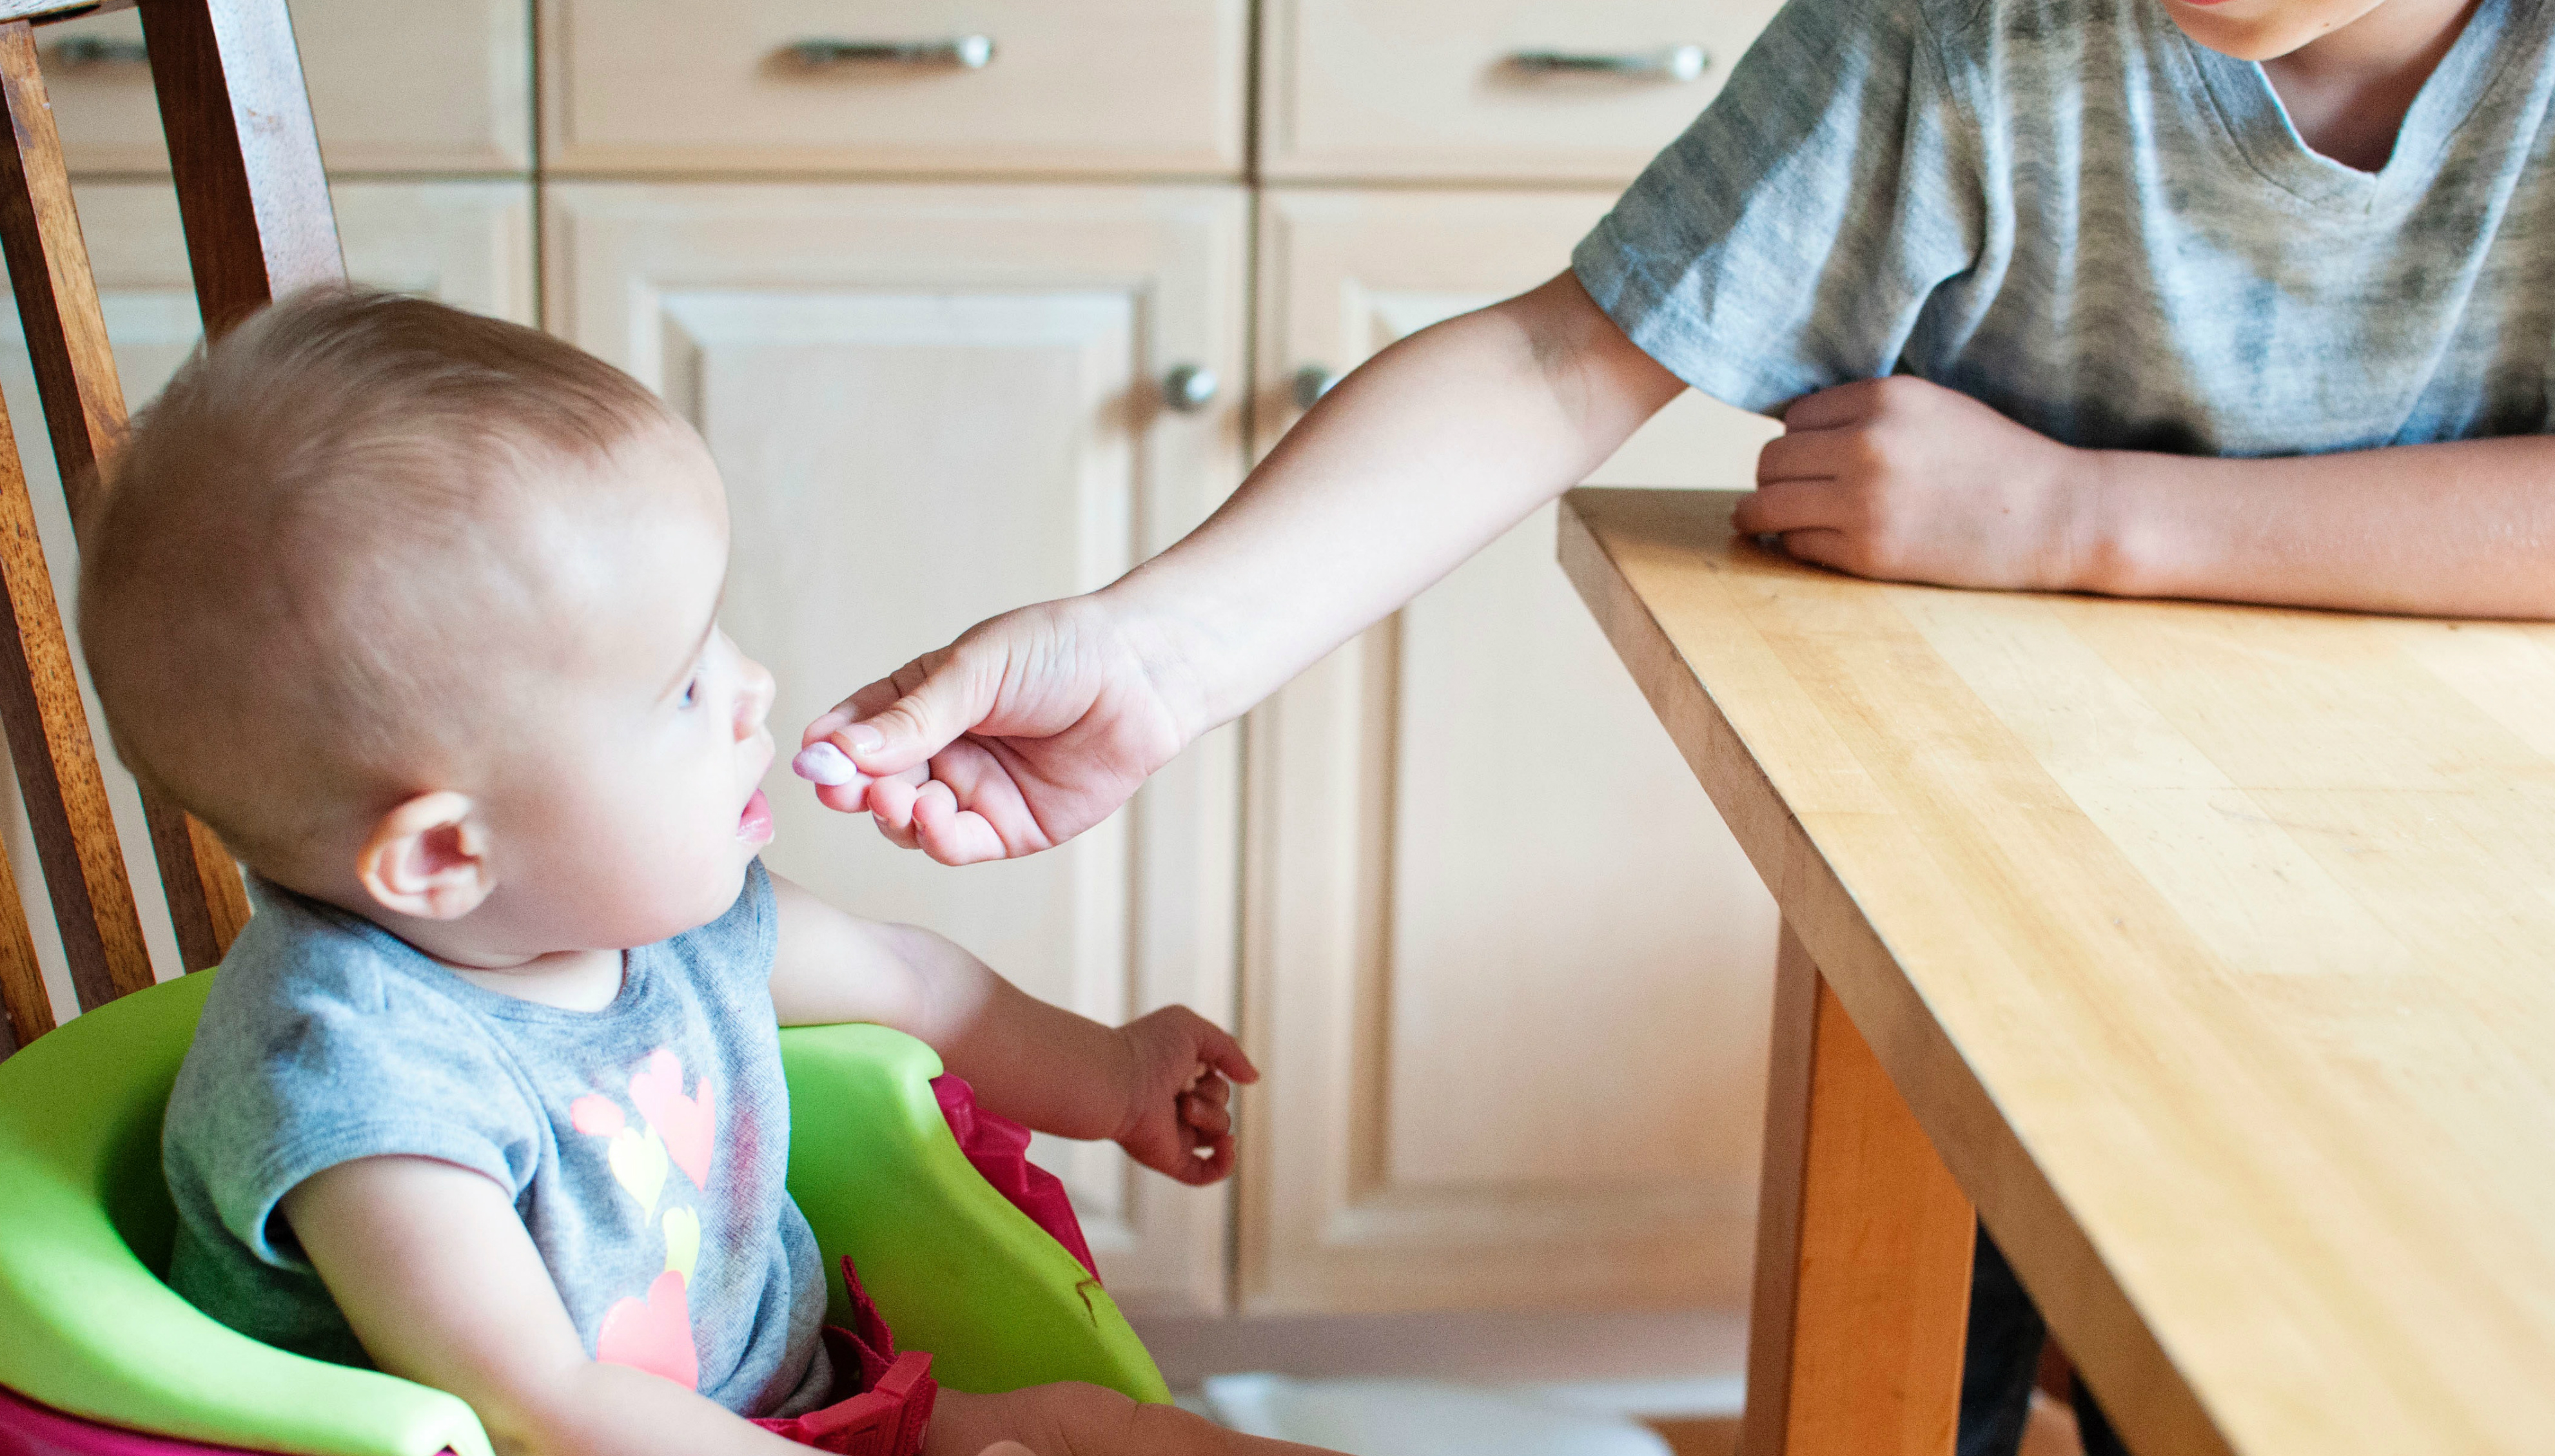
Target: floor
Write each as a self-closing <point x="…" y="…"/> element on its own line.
<point x="2051" y="1432"/>
<point x="1713" y="1438"/>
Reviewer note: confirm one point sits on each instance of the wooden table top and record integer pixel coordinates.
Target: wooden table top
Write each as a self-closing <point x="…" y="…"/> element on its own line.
<point x="2214" y="948"/>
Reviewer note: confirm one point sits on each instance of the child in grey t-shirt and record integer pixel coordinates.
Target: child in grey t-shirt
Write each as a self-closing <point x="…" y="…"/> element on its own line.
<point x="417" y="610"/>
<point x="2246" y="301"/>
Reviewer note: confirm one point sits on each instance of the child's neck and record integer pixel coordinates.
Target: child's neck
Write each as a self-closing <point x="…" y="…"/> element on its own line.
<point x="488" y="954"/>
<point x="572" y="980"/>
<point x="2346" y="92"/>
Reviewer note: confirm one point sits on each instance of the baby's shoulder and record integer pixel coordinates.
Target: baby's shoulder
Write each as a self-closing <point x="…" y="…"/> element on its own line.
<point x="314" y="1011"/>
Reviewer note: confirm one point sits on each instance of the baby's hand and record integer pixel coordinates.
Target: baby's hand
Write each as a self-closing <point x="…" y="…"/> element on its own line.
<point x="1177" y="1119"/>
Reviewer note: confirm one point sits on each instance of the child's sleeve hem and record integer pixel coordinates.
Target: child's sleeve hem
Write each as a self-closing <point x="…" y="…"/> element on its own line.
<point x="288" y="1168"/>
<point x="1705" y="361"/>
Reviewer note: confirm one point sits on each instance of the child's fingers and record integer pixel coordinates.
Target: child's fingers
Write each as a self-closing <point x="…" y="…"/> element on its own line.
<point x="1210" y="1159"/>
<point x="1213" y="1088"/>
<point x="1844" y="404"/>
<point x="1206" y="1116"/>
<point x="1823" y="548"/>
<point x="890" y="805"/>
<point x="1218" y="1049"/>
<point x="1791" y="505"/>
<point x="841" y="715"/>
<point x="950" y="834"/>
<point x="1820" y="454"/>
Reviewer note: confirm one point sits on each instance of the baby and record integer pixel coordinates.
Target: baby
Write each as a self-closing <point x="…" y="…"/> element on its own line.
<point x="417" y="610"/>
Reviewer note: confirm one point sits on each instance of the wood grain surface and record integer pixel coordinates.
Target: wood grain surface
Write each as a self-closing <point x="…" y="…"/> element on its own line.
<point x="1861" y="1232"/>
<point x="40" y="698"/>
<point x="26" y="1007"/>
<point x="255" y="203"/>
<point x="2210" y="946"/>
<point x="242" y="151"/>
<point x="45" y="12"/>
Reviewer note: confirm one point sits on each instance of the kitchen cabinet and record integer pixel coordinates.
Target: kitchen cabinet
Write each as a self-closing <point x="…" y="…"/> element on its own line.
<point x="1127" y="86"/>
<point x="1514" y="1052"/>
<point x="1487" y="90"/>
<point x="440" y="87"/>
<point x="931" y="403"/>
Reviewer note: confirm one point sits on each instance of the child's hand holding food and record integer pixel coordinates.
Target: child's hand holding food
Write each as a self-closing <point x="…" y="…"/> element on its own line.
<point x="1178" y="1121"/>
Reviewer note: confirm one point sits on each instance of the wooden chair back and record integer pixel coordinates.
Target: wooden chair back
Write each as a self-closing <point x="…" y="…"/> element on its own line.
<point x="246" y="163"/>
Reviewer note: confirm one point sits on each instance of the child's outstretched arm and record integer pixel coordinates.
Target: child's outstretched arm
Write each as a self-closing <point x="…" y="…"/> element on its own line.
<point x="1906" y="480"/>
<point x="1156" y="1085"/>
<point x="1421" y="456"/>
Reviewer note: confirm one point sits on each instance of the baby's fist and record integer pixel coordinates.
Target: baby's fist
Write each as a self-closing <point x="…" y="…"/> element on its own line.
<point x="1179" y="1119"/>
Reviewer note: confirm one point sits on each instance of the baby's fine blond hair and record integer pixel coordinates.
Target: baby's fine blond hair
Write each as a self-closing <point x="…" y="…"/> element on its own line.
<point x="288" y="582"/>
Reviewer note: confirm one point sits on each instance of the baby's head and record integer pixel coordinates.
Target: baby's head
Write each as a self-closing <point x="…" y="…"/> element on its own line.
<point x="417" y="610"/>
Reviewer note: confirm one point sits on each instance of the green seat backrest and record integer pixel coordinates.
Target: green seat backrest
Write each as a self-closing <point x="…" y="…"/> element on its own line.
<point x="86" y="1326"/>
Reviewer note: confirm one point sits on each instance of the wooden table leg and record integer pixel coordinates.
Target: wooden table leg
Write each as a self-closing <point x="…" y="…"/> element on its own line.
<point x="1863" y="1250"/>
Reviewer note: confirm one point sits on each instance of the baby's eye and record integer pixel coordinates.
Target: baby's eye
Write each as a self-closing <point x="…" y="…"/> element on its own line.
<point x="692" y="692"/>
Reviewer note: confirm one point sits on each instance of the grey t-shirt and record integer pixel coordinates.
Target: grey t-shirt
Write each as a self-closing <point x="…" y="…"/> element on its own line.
<point x="2073" y="213"/>
<point x="643" y="1144"/>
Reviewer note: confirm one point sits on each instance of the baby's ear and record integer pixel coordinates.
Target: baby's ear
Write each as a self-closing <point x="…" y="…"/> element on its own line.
<point x="428" y="859"/>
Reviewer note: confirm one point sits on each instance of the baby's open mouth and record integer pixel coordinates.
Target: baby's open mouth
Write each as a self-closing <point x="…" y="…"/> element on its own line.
<point x="753" y="825"/>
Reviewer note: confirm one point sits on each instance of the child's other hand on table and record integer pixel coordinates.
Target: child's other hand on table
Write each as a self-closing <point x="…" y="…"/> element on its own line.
<point x="1905" y="481"/>
<point x="1177" y="1119"/>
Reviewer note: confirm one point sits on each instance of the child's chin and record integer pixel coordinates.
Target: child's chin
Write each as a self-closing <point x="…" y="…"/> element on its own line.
<point x="673" y="910"/>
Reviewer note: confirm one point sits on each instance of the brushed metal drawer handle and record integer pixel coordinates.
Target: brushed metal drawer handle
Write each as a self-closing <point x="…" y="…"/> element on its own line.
<point x="82" y="51"/>
<point x="1679" y="63"/>
<point x="968" y="53"/>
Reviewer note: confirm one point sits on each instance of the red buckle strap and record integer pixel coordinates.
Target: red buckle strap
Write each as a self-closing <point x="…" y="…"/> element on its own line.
<point x="897" y="1392"/>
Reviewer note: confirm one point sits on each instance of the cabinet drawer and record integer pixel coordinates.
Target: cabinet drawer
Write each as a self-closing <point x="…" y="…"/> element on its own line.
<point x="424" y="86"/>
<point x="1125" y="86"/>
<point x="1509" y="89"/>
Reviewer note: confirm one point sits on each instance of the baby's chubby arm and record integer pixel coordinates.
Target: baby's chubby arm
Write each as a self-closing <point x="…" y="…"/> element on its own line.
<point x="438" y="1277"/>
<point x="1156" y="1085"/>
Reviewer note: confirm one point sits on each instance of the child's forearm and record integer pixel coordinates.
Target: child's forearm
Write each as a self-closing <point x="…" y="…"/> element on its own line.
<point x="1415" y="463"/>
<point x="601" y="1410"/>
<point x="1030" y="1061"/>
<point x="2463" y="530"/>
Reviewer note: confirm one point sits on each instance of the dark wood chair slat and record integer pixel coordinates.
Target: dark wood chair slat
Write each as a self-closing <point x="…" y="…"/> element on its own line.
<point x="255" y="204"/>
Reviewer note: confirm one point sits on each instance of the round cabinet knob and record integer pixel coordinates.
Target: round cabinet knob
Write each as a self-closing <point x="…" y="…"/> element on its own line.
<point x="1189" y="388"/>
<point x="1311" y="383"/>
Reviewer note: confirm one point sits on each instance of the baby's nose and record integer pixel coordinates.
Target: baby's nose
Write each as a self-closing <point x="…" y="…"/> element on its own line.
<point x="755" y="703"/>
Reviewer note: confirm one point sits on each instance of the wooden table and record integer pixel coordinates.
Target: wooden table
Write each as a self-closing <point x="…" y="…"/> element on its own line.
<point x="2211" y="950"/>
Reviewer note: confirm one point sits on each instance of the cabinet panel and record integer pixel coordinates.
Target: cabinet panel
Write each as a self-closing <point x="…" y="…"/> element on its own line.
<point x="1507" y="972"/>
<point x="932" y="404"/>
<point x="467" y="243"/>
<point x="424" y="86"/>
<point x="1430" y="89"/>
<point x="1121" y="86"/>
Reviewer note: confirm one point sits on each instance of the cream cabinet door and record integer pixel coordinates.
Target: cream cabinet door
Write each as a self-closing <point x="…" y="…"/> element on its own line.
<point x="469" y="243"/>
<point x="932" y="404"/>
<point x="1506" y="972"/>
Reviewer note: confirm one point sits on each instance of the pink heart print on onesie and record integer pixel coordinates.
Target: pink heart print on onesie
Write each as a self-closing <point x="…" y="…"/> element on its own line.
<point x="654" y="1334"/>
<point x="653" y="1331"/>
<point x="685" y="1122"/>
